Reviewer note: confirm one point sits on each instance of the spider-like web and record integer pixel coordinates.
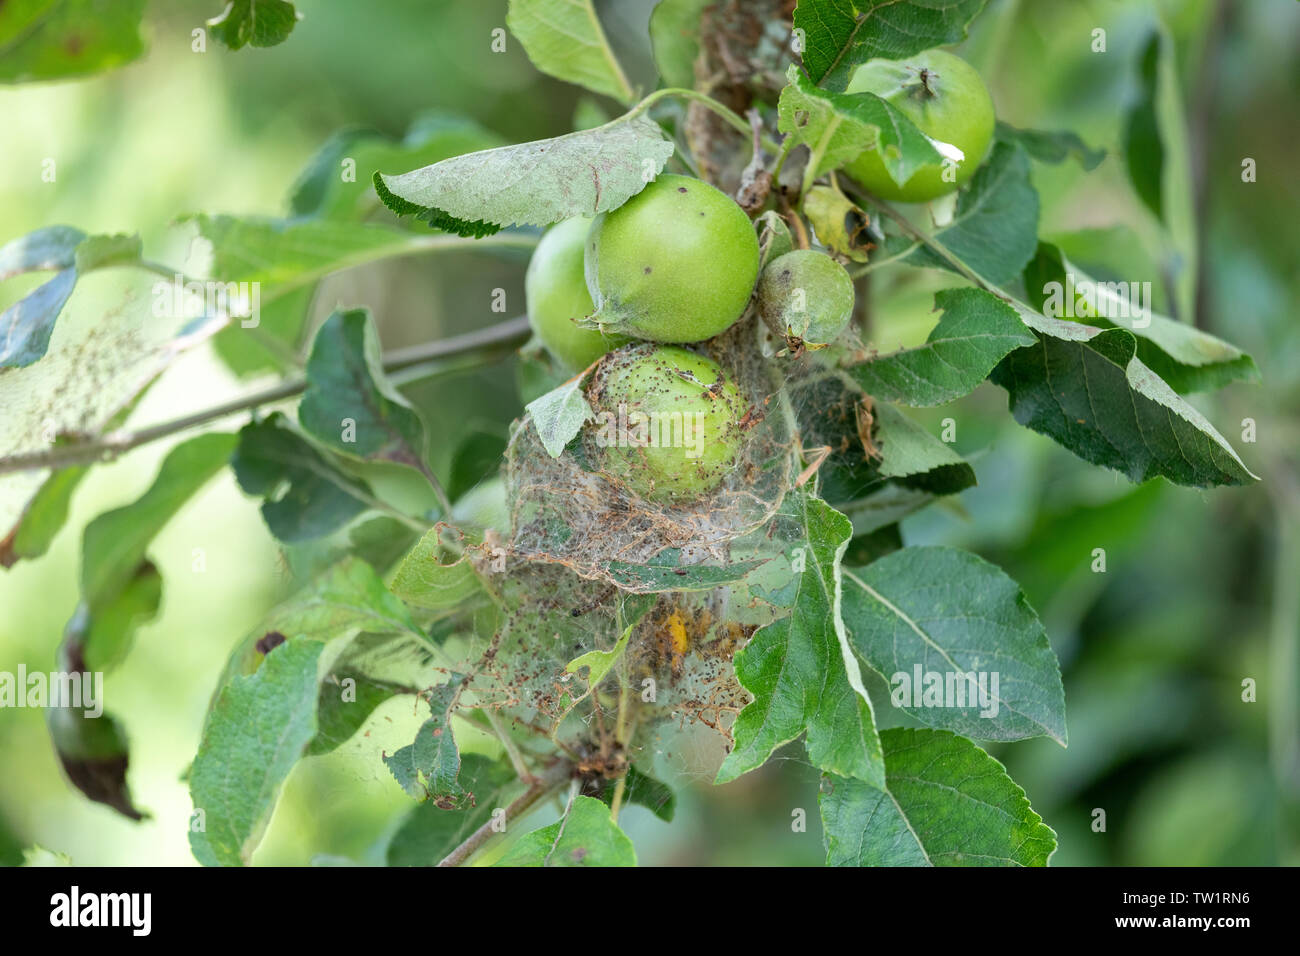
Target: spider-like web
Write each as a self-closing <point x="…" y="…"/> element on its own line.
<point x="562" y="588"/>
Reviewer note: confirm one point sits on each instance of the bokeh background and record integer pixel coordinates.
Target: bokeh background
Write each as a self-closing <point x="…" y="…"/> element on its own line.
<point x="1201" y="589"/>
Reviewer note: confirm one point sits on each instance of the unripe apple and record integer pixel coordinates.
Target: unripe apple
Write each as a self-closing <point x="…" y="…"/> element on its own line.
<point x="806" y="296"/>
<point x="675" y="263"/>
<point x="947" y="100"/>
<point x="668" y="421"/>
<point x="556" y="293"/>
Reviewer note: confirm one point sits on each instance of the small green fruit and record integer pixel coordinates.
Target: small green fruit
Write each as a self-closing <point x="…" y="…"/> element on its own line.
<point x="675" y="263"/>
<point x="806" y="296"/>
<point x="947" y="100"/>
<point x="557" y="295"/>
<point x="668" y="421"/>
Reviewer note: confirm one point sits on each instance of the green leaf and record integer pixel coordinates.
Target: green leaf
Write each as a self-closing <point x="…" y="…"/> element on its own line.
<point x="946" y="612"/>
<point x="44" y="250"/>
<point x="259" y="23"/>
<point x="560" y="414"/>
<point x="282" y="255"/>
<point x="381" y="541"/>
<point x="422" y="579"/>
<point x="1054" y="146"/>
<point x="976" y="331"/>
<point x="995" y="229"/>
<point x="907" y="465"/>
<point x="1086" y="389"/>
<point x="839" y="35"/>
<point x="579" y="174"/>
<point x="1188" y="359"/>
<point x="346" y="701"/>
<point x="585" y="837"/>
<point x="564" y="39"/>
<point x="1144" y="152"/>
<point x="477" y="458"/>
<point x="948" y="803"/>
<point x="338" y="182"/>
<point x="114" y="544"/>
<point x="839" y="127"/>
<point x="54" y="39"/>
<point x="26" y="326"/>
<point x="675" y="39"/>
<point x="275" y="265"/>
<point x="915" y="458"/>
<point x="885" y="506"/>
<point x="42" y="518"/>
<point x="113" y="624"/>
<point x="873" y="545"/>
<point x="430" y="832"/>
<point x="913" y="469"/>
<point x="644" y="790"/>
<point x="429" y="767"/>
<point x="801" y="670"/>
<point x="306" y="495"/>
<point x="350" y="597"/>
<point x="101" y="252"/>
<point x="257" y="730"/>
<point x="349" y="405"/>
<point x="599" y="663"/>
<point x="264" y="714"/>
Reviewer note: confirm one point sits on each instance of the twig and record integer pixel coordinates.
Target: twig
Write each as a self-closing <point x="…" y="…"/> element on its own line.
<point x="549" y="782"/>
<point x="926" y="240"/>
<point x="107" y="447"/>
<point x="731" y="116"/>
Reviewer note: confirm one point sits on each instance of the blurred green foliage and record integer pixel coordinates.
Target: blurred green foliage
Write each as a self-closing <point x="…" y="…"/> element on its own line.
<point x="1199" y="591"/>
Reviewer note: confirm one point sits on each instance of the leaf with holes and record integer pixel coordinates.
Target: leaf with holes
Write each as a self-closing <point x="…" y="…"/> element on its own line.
<point x="430" y="765"/>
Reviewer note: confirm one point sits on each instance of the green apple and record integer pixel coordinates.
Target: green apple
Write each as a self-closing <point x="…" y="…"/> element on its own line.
<point x="556" y="293"/>
<point x="668" y="421"/>
<point x="805" y="296"/>
<point x="675" y="263"/>
<point x="947" y="100"/>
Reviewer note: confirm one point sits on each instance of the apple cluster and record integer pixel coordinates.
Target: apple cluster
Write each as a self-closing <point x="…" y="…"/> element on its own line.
<point x="677" y="264"/>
